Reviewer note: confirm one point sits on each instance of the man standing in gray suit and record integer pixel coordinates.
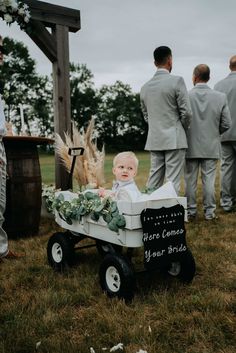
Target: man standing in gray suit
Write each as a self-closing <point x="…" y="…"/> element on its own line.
<point x="211" y="117"/>
<point x="228" y="141"/>
<point x="166" y="109"/>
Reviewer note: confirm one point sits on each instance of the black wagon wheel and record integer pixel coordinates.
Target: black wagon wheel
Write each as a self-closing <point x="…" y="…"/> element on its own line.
<point x="104" y="248"/>
<point x="60" y="251"/>
<point x="117" y="277"/>
<point x="184" y="268"/>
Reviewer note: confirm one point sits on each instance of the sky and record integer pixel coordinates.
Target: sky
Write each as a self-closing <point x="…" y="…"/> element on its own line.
<point x="117" y="38"/>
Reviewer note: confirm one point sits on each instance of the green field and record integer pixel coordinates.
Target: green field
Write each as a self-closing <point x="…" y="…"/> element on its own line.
<point x="47" y="165"/>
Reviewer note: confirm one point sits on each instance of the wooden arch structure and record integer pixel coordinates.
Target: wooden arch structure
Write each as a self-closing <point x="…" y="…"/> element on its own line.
<point x="49" y="29"/>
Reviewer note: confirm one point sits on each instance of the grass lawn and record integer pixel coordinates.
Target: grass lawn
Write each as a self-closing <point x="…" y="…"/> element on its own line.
<point x="48" y="169"/>
<point x="43" y="311"/>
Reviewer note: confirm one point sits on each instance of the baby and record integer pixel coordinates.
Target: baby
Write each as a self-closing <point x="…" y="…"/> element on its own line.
<point x="125" y="166"/>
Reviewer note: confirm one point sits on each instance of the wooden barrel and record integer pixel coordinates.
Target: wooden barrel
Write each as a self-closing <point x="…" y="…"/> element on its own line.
<point x="24" y="187"/>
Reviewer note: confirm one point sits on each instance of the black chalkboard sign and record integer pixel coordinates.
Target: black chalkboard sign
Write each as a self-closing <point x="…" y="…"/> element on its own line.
<point x="163" y="235"/>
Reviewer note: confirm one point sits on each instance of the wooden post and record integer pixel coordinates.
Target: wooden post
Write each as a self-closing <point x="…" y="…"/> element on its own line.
<point x="55" y="45"/>
<point x="61" y="99"/>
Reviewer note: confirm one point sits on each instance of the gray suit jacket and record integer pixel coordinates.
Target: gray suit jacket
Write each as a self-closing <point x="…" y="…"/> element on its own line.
<point x="211" y="117"/>
<point x="228" y="86"/>
<point x="166" y="108"/>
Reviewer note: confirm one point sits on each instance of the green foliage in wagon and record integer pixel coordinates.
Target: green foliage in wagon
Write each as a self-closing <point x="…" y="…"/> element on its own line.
<point x="87" y="203"/>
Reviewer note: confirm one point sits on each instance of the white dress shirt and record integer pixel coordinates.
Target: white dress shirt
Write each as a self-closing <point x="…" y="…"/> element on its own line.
<point x="126" y="190"/>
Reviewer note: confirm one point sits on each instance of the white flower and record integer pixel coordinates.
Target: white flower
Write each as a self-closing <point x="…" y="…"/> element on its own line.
<point x="2" y="8"/>
<point x="21" y="11"/>
<point x="92" y="350"/>
<point x="118" y="346"/>
<point x="27" y="13"/>
<point x="149" y="329"/>
<point x="11" y="5"/>
<point x="26" y="19"/>
<point x="14" y="5"/>
<point x="37" y="344"/>
<point x="14" y="11"/>
<point x="141" y="351"/>
<point x="6" y="2"/>
<point x="25" y="7"/>
<point x="8" y="18"/>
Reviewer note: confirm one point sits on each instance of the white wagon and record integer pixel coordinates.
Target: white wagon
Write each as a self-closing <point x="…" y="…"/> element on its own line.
<point x="117" y="276"/>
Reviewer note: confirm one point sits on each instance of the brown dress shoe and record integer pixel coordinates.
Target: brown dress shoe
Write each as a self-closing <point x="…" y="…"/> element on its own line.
<point x="13" y="255"/>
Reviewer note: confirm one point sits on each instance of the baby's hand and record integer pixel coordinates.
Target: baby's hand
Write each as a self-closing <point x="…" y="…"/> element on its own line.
<point x="102" y="192"/>
<point x="105" y="193"/>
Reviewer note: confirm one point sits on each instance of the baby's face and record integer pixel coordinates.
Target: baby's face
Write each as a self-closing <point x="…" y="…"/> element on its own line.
<point x="125" y="169"/>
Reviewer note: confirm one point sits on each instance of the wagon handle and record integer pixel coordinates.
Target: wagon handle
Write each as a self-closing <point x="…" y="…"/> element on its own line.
<point x="74" y="151"/>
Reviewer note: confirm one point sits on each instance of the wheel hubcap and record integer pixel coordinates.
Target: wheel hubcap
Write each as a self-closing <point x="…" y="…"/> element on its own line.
<point x="113" y="279"/>
<point x="57" y="253"/>
<point x="105" y="248"/>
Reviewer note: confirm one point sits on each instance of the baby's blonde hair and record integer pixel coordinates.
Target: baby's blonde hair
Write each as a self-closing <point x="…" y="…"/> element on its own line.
<point x="125" y="155"/>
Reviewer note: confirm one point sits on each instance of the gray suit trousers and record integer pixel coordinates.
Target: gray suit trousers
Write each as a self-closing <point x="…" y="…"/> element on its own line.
<point x="208" y="175"/>
<point x="228" y="174"/>
<point x="166" y="165"/>
<point x="3" y="235"/>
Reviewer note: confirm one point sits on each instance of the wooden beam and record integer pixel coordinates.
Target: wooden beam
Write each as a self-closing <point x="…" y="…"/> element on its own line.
<point x="55" y="46"/>
<point x="44" y="40"/>
<point x="51" y="14"/>
<point x="62" y="105"/>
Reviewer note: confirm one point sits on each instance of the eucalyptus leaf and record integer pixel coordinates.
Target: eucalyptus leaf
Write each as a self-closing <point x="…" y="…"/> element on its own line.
<point x="120" y="221"/>
<point x="113" y="227"/>
<point x="89" y="195"/>
<point x="69" y="221"/>
<point x="66" y="205"/>
<point x="82" y="210"/>
<point x="80" y="198"/>
<point x="107" y="217"/>
<point x="68" y="213"/>
<point x="99" y="208"/>
<point x="95" y="216"/>
<point x="87" y="203"/>
<point x="74" y="202"/>
<point x="115" y="213"/>
<point x="75" y="214"/>
<point x="60" y="197"/>
<point x="113" y="207"/>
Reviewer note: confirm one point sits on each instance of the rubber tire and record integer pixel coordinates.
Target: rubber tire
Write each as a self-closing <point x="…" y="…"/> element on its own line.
<point x="117" y="278"/>
<point x="105" y="248"/>
<point x="60" y="251"/>
<point x="186" y="267"/>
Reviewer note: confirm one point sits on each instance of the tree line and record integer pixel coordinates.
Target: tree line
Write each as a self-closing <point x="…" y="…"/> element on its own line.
<point x="116" y="109"/>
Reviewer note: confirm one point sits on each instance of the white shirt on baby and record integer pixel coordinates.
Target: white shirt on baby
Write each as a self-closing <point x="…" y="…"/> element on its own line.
<point x="126" y="190"/>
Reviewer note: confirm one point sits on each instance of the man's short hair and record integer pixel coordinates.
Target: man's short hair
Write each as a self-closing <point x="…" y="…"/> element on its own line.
<point x="202" y="71"/>
<point x="161" y="54"/>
